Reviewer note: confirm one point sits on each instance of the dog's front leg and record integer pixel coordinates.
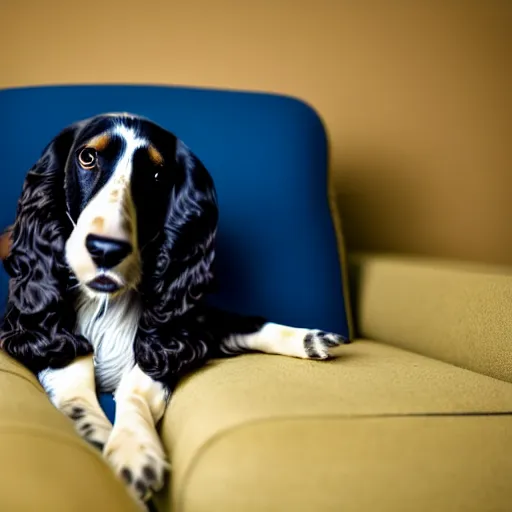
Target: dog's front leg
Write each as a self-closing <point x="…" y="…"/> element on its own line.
<point x="237" y="334"/>
<point x="134" y="448"/>
<point x="72" y="390"/>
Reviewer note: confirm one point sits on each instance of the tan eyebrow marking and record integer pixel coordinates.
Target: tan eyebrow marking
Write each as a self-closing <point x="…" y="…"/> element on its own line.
<point x="98" y="223"/>
<point x="155" y="155"/>
<point x="100" y="142"/>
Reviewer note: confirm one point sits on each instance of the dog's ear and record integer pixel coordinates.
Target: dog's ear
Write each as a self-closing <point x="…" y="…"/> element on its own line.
<point x="36" y="260"/>
<point x="38" y="324"/>
<point x="182" y="269"/>
<point x="180" y="272"/>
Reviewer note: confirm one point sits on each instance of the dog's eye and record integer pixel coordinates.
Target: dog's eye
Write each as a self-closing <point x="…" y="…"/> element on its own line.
<point x="157" y="176"/>
<point x="87" y="158"/>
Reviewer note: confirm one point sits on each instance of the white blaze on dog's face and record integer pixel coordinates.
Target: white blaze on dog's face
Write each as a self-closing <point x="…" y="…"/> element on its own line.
<point x="118" y="184"/>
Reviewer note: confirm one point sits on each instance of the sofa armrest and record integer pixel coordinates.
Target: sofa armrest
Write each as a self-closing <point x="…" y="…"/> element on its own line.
<point x="45" y="465"/>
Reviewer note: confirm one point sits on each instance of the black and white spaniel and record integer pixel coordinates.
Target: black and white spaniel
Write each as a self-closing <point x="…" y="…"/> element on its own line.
<point x="112" y="253"/>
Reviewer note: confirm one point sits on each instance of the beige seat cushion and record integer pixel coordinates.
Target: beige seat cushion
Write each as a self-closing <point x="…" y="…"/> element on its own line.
<point x="441" y="464"/>
<point x="45" y="465"/>
<point x="377" y="425"/>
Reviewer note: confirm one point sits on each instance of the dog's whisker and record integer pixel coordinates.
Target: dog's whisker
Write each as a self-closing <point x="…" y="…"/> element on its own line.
<point x="71" y="219"/>
<point x="8" y="314"/>
<point x="151" y="241"/>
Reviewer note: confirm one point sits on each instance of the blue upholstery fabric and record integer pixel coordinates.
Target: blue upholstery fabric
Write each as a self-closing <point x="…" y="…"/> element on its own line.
<point x="277" y="253"/>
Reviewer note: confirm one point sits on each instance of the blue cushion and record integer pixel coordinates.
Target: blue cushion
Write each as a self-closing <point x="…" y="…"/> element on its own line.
<point x="277" y="253"/>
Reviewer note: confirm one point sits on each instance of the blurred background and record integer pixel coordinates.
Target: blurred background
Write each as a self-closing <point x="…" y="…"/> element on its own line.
<point x="416" y="96"/>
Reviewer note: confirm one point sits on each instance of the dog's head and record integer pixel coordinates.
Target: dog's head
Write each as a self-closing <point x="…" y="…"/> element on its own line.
<point x="123" y="204"/>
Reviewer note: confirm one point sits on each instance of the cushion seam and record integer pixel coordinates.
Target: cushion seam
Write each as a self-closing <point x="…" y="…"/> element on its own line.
<point x="46" y="432"/>
<point x="23" y="377"/>
<point x="391" y="344"/>
<point x="178" y="503"/>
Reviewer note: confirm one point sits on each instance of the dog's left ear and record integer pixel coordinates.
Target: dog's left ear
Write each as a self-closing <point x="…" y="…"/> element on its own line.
<point x="39" y="323"/>
<point x="183" y="269"/>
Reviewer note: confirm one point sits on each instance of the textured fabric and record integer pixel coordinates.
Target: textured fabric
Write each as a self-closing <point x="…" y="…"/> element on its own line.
<point x="277" y="250"/>
<point x="45" y="465"/>
<point x="367" y="380"/>
<point x="454" y="312"/>
<point x="355" y="465"/>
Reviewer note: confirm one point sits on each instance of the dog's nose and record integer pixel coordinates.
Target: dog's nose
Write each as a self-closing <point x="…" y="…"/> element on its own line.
<point x="107" y="252"/>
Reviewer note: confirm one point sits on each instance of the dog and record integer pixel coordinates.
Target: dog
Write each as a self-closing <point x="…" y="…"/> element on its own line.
<point x="110" y="260"/>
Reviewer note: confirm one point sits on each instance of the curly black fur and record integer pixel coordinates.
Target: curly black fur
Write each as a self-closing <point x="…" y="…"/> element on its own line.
<point x="178" y="274"/>
<point x="38" y="327"/>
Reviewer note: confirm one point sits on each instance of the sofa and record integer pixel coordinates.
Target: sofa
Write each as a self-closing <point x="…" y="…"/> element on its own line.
<point x="415" y="414"/>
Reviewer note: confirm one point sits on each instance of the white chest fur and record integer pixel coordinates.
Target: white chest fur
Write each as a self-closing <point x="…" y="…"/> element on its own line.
<point x="110" y="326"/>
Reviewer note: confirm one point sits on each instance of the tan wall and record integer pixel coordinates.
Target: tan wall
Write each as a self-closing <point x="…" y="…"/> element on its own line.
<point x="416" y="94"/>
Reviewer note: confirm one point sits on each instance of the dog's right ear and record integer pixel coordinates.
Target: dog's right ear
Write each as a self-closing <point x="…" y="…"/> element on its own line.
<point x="38" y="232"/>
<point x="38" y="327"/>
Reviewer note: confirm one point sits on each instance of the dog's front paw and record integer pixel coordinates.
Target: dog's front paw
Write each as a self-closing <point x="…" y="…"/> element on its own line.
<point x="90" y="423"/>
<point x="138" y="458"/>
<point x="317" y="343"/>
<point x="297" y="341"/>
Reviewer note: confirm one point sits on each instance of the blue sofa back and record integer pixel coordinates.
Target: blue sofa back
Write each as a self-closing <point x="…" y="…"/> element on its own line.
<point x="277" y="254"/>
